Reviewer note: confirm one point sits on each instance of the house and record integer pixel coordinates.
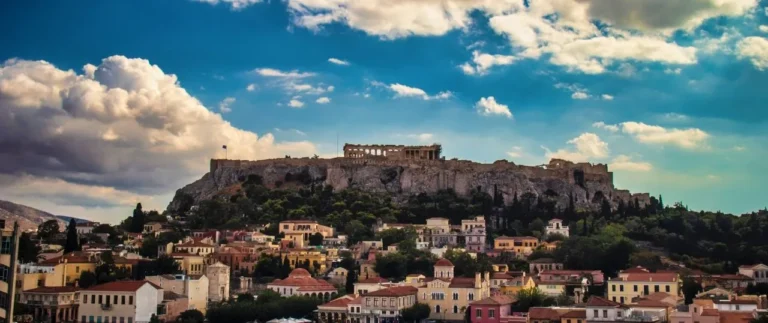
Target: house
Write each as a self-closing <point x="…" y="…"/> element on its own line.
<point x="193" y="287"/>
<point x="543" y="264"/>
<point x="500" y="279"/>
<point x="555" y="315"/>
<point x="368" y="270"/>
<point x="512" y="287"/>
<point x="190" y="264"/>
<point x="630" y="285"/>
<point x="556" y="282"/>
<point x="555" y="226"/>
<point x="85" y="227"/>
<point x="299" y="231"/>
<point x="336" y="310"/>
<point x="493" y="309"/>
<point x="218" y="282"/>
<point x="300" y="282"/>
<point x="150" y="227"/>
<point x="758" y="272"/>
<point x="735" y="305"/>
<point x="599" y="309"/>
<point x="173" y="304"/>
<point x="448" y="296"/>
<point x="66" y="270"/>
<point x="302" y="257"/>
<point x="473" y="233"/>
<point x="338" y="275"/>
<point x="120" y="301"/>
<point x="521" y="246"/>
<point x="439" y="233"/>
<point x="364" y="286"/>
<point x="702" y="311"/>
<point x="385" y="305"/>
<point x="194" y="247"/>
<point x="52" y="304"/>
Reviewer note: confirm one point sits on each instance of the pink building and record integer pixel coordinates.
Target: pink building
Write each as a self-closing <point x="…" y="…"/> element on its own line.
<point x="494" y="309"/>
<point x="173" y="305"/>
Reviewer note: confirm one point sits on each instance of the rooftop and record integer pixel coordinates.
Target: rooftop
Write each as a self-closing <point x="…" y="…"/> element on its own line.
<point x="122" y="286"/>
<point x="52" y="290"/>
<point x="495" y="300"/>
<point x="651" y="277"/>
<point x="443" y="263"/>
<point x="395" y="291"/>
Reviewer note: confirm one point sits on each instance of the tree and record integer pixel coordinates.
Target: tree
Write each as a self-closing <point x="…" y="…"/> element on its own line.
<point x="137" y="222"/>
<point x="28" y="250"/>
<point x="531" y="297"/>
<point x="48" y="230"/>
<point x="690" y="289"/>
<point x="392" y="265"/>
<point x="165" y="265"/>
<point x="73" y="240"/>
<point x="191" y="316"/>
<point x="87" y="279"/>
<point x="154" y="319"/>
<point x="416" y="313"/>
<point x="351" y="279"/>
<point x="245" y="297"/>
<point x="316" y="239"/>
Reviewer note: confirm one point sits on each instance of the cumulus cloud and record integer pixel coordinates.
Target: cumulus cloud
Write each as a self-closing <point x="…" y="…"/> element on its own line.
<point x="489" y="107"/>
<point x="482" y="62"/>
<point x="294" y="87"/>
<point x="763" y="28"/>
<point x="271" y="72"/>
<point x="295" y="103"/>
<point x="577" y="91"/>
<point x="690" y="138"/>
<point x="661" y="15"/>
<point x="323" y="100"/>
<point x="233" y="4"/>
<point x="422" y="137"/>
<point x="338" y="61"/>
<point x="603" y="125"/>
<point x="579" y="95"/>
<point x="625" y="163"/>
<point x="251" y="87"/>
<point x="607" y="97"/>
<point x="755" y="49"/>
<point x="586" y="147"/>
<point x="403" y="91"/>
<point x="121" y="130"/>
<point x="516" y="152"/>
<point x="224" y="105"/>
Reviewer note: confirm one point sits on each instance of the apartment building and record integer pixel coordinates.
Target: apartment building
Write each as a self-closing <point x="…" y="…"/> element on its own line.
<point x="193" y="287"/>
<point x="634" y="283"/>
<point x="120" y="302"/>
<point x="448" y="296"/>
<point x="52" y="304"/>
<point x="521" y="246"/>
<point x="385" y="305"/>
<point x="299" y="231"/>
<point x="9" y="249"/>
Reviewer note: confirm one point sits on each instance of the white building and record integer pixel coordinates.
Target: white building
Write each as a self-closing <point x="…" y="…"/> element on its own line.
<point x="218" y="282"/>
<point x="758" y="272"/>
<point x="120" y="302"/>
<point x="193" y="287"/>
<point x="555" y="226"/>
<point x="736" y="305"/>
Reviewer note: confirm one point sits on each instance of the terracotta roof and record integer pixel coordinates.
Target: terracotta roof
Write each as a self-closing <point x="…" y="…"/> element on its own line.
<point x="462" y="282"/>
<point x="395" y="291"/>
<point x="72" y="257"/>
<point x="299" y="221"/>
<point x="710" y="312"/>
<point x="576" y="314"/>
<point x="506" y="275"/>
<point x="301" y="278"/>
<point x="651" y="303"/>
<point x="543" y="313"/>
<point x="169" y="295"/>
<point x="596" y="301"/>
<point x="635" y="270"/>
<point x="735" y="317"/>
<point x="341" y="302"/>
<point x="517" y="238"/>
<point x="495" y="300"/>
<point x="194" y="243"/>
<point x="651" y="277"/>
<point x="299" y="272"/>
<point x="52" y="290"/>
<point x="443" y="263"/>
<point x="373" y="280"/>
<point x="312" y="288"/>
<point x="122" y="286"/>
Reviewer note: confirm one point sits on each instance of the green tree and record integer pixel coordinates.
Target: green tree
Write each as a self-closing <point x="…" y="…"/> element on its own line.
<point x="392" y="265"/>
<point x="245" y="297"/>
<point x="165" y="265"/>
<point x="531" y="297"/>
<point x="47" y="230"/>
<point x="154" y="319"/>
<point x="350" y="283"/>
<point x="690" y="289"/>
<point x="28" y="250"/>
<point x="316" y="239"/>
<point x="87" y="279"/>
<point x="73" y="240"/>
<point x="191" y="316"/>
<point x="416" y="313"/>
<point x="137" y="221"/>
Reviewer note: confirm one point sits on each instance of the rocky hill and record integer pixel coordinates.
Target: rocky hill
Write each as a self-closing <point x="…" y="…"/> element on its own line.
<point x="27" y="217"/>
<point x="588" y="183"/>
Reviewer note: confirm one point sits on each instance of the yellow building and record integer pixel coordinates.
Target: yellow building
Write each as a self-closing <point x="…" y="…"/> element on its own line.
<point x="69" y="267"/>
<point x="522" y="246"/>
<point x="194" y="247"/>
<point x="517" y="284"/>
<point x="9" y="249"/>
<point x="301" y="256"/>
<point x="449" y="297"/>
<point x="189" y="263"/>
<point x="299" y="231"/>
<point x="638" y="282"/>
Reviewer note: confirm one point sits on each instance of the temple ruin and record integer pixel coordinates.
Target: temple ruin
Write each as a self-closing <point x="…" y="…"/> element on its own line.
<point x="393" y="152"/>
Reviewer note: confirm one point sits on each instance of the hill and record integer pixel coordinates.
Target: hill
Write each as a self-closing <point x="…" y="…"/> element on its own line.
<point x="77" y="220"/>
<point x="27" y="217"/>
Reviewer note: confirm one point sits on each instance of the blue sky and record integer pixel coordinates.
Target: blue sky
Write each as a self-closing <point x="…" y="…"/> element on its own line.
<point x="670" y="94"/>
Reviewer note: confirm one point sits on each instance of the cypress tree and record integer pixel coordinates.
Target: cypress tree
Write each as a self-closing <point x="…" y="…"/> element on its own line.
<point x="137" y="222"/>
<point x="351" y="279"/>
<point x="73" y="241"/>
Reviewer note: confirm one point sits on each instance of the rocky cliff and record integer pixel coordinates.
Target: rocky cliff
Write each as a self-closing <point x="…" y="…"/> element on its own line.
<point x="588" y="183"/>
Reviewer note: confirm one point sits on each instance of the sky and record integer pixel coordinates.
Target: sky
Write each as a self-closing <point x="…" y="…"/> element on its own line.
<point x="104" y="104"/>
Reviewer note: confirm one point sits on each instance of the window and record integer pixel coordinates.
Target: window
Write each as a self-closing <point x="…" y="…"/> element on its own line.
<point x="455" y="296"/>
<point x="115" y="301"/>
<point x="479" y="313"/>
<point x="695" y="309"/>
<point x="5" y="245"/>
<point x="392" y="302"/>
<point x="455" y="309"/>
<point x="130" y="320"/>
<point x="605" y="313"/>
<point x="367" y="301"/>
<point x="77" y="269"/>
<point x="122" y="300"/>
<point x="90" y="318"/>
<point x="85" y="301"/>
<point x="492" y="313"/>
<point x="618" y="313"/>
<point x="375" y="302"/>
<point x="4" y="272"/>
<point x="437" y="308"/>
<point x="101" y="299"/>
<point x="424" y="296"/>
<point x="130" y="302"/>
<point x="595" y="314"/>
<point x="613" y="288"/>
<point x="622" y="299"/>
<point x="666" y="288"/>
<point x="737" y="307"/>
<point x="656" y="288"/>
<point x="83" y="319"/>
<point x="614" y="298"/>
<point x="621" y="288"/>
<point x="635" y="287"/>
<point x="93" y="299"/>
<point x="471" y="296"/>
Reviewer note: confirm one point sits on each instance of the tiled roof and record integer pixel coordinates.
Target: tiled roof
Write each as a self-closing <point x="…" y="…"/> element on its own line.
<point x="301" y="278"/>
<point x="635" y="270"/>
<point x="395" y="291"/>
<point x="710" y="312"/>
<point x="313" y="288"/>
<point x="651" y="303"/>
<point x="52" y="290"/>
<point x="72" y="257"/>
<point x="340" y="302"/>
<point x="651" y="277"/>
<point x="543" y="313"/>
<point x="122" y="286"/>
<point x="443" y="263"/>
<point x="373" y="280"/>
<point x="462" y="282"/>
<point x="507" y="275"/>
<point x="517" y="238"/>
<point x="576" y="314"/>
<point x="596" y="301"/>
<point x="735" y="317"/>
<point x="495" y="300"/>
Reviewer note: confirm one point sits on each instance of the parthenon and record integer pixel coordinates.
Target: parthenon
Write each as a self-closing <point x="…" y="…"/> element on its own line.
<point x="395" y="152"/>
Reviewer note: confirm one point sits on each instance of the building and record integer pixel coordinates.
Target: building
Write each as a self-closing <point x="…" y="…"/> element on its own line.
<point x="301" y="257"/>
<point x="150" y="227"/>
<point x="557" y="282"/>
<point x="522" y="246"/>
<point x="52" y="304"/>
<point x="758" y="272"/>
<point x="543" y="264"/>
<point x="635" y="284"/>
<point x="368" y="270"/>
<point x="384" y="305"/>
<point x="85" y="227"/>
<point x="299" y="231"/>
<point x="218" y="282"/>
<point x="602" y="310"/>
<point x="473" y="234"/>
<point x="174" y="304"/>
<point x="702" y="311"/>
<point x="9" y="249"/>
<point x="336" y="310"/>
<point x="194" y="247"/>
<point x="393" y="152"/>
<point x="193" y="287"/>
<point x="493" y="309"/>
<point x="555" y="226"/>
<point x="735" y="305"/>
<point x="513" y="286"/>
<point x="338" y="275"/>
<point x="300" y="282"/>
<point x="67" y="269"/>
<point x="556" y="315"/>
<point x="448" y="296"/>
<point x="120" y="301"/>
<point x="190" y="264"/>
<point x="365" y="286"/>
<point x="438" y="232"/>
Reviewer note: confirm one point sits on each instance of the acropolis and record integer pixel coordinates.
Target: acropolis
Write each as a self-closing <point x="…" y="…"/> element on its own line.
<point x="393" y="152"/>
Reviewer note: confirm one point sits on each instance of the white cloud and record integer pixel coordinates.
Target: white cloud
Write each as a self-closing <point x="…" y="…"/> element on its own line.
<point x="294" y="87"/>
<point x="123" y="125"/>
<point x="402" y="91"/>
<point x="422" y="137"/>
<point x="489" y="107"/>
<point x="295" y="103"/>
<point x="224" y="105"/>
<point x="233" y="4"/>
<point x="690" y="138"/>
<point x="739" y="148"/>
<point x="579" y="95"/>
<point x="323" y="100"/>
<point x="624" y="162"/>
<point x="516" y="152"/>
<point x="676" y="71"/>
<point x="607" y="97"/>
<point x="664" y="15"/>
<point x="251" y="87"/>
<point x="483" y="62"/>
<point x="587" y="146"/>
<point x="763" y="28"/>
<point x="675" y="117"/>
<point x="713" y="177"/>
<point x="338" y="61"/>
<point x="603" y="125"/>
<point x="296" y="131"/>
<point x="756" y="50"/>
<point x="271" y="72"/>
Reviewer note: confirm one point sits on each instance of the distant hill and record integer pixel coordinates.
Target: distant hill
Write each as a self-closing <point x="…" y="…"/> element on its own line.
<point x="27" y="217"/>
<point x="77" y="220"/>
